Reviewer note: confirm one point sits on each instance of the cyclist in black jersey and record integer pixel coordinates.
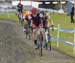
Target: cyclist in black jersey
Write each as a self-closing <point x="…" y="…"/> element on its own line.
<point x="20" y="7"/>
<point x="20" y="12"/>
<point x="37" y="20"/>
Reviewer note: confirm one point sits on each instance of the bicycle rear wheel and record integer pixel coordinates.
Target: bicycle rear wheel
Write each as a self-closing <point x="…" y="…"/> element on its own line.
<point x="48" y="46"/>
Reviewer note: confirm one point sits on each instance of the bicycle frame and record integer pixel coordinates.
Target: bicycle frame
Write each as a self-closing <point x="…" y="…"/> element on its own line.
<point x="28" y="31"/>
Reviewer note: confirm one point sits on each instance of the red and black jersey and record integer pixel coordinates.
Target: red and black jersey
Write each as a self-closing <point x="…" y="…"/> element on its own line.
<point x="36" y="19"/>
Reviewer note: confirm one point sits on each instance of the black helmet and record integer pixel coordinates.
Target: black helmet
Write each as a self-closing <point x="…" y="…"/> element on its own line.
<point x="43" y="12"/>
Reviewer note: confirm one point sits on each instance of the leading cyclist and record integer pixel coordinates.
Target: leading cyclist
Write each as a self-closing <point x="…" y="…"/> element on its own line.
<point x="37" y="20"/>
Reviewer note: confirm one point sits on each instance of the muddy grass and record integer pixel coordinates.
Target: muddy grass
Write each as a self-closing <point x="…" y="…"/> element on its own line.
<point x="14" y="48"/>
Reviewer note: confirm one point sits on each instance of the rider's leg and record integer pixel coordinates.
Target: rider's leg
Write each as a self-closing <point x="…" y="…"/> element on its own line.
<point x="34" y="34"/>
<point x="44" y="37"/>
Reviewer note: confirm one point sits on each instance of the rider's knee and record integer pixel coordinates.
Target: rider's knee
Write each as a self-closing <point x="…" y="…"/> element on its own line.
<point x="34" y="31"/>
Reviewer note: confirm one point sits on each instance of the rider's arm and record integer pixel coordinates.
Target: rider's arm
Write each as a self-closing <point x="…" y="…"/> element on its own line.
<point x="50" y="22"/>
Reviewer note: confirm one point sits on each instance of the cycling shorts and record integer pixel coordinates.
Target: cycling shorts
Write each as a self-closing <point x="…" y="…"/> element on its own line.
<point x="20" y="10"/>
<point x="35" y="26"/>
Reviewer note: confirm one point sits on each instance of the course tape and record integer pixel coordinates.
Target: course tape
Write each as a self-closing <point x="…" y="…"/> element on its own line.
<point x="66" y="42"/>
<point x="65" y="30"/>
<point x="3" y="13"/>
<point x="11" y="14"/>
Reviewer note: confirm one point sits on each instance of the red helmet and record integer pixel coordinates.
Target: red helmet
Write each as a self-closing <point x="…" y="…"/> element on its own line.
<point x="34" y="10"/>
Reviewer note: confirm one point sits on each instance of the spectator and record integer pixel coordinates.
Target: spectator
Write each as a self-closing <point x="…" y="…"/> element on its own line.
<point x="72" y="14"/>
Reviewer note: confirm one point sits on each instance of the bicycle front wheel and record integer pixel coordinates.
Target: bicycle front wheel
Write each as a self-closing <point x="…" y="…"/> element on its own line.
<point x="40" y="44"/>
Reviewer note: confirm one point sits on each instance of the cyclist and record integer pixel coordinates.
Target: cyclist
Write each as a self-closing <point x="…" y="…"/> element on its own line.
<point x="25" y="16"/>
<point x="27" y="27"/>
<point x="48" y="22"/>
<point x="20" y="7"/>
<point x="26" y="20"/>
<point x="37" y="20"/>
<point x="20" y="12"/>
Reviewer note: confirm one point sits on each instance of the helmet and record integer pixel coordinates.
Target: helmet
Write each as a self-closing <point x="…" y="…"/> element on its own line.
<point x="43" y="12"/>
<point x="34" y="10"/>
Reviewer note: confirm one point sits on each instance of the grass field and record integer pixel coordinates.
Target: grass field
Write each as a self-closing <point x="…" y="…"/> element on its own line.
<point x="10" y="17"/>
<point x="64" y="22"/>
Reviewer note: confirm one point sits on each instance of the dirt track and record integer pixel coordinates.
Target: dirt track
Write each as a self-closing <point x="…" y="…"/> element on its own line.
<point x="14" y="48"/>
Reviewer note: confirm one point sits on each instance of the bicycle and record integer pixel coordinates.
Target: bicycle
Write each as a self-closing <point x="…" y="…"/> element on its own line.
<point x="20" y="17"/>
<point x="40" y="41"/>
<point x="48" y="38"/>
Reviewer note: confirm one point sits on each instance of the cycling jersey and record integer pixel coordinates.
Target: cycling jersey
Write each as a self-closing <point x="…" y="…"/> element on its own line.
<point x="20" y="7"/>
<point x="25" y="17"/>
<point x="26" y="14"/>
<point x="50" y="21"/>
<point x="37" y="21"/>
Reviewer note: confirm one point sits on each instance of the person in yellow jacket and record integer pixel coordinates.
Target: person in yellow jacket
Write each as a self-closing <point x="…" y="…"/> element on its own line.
<point x="50" y="22"/>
